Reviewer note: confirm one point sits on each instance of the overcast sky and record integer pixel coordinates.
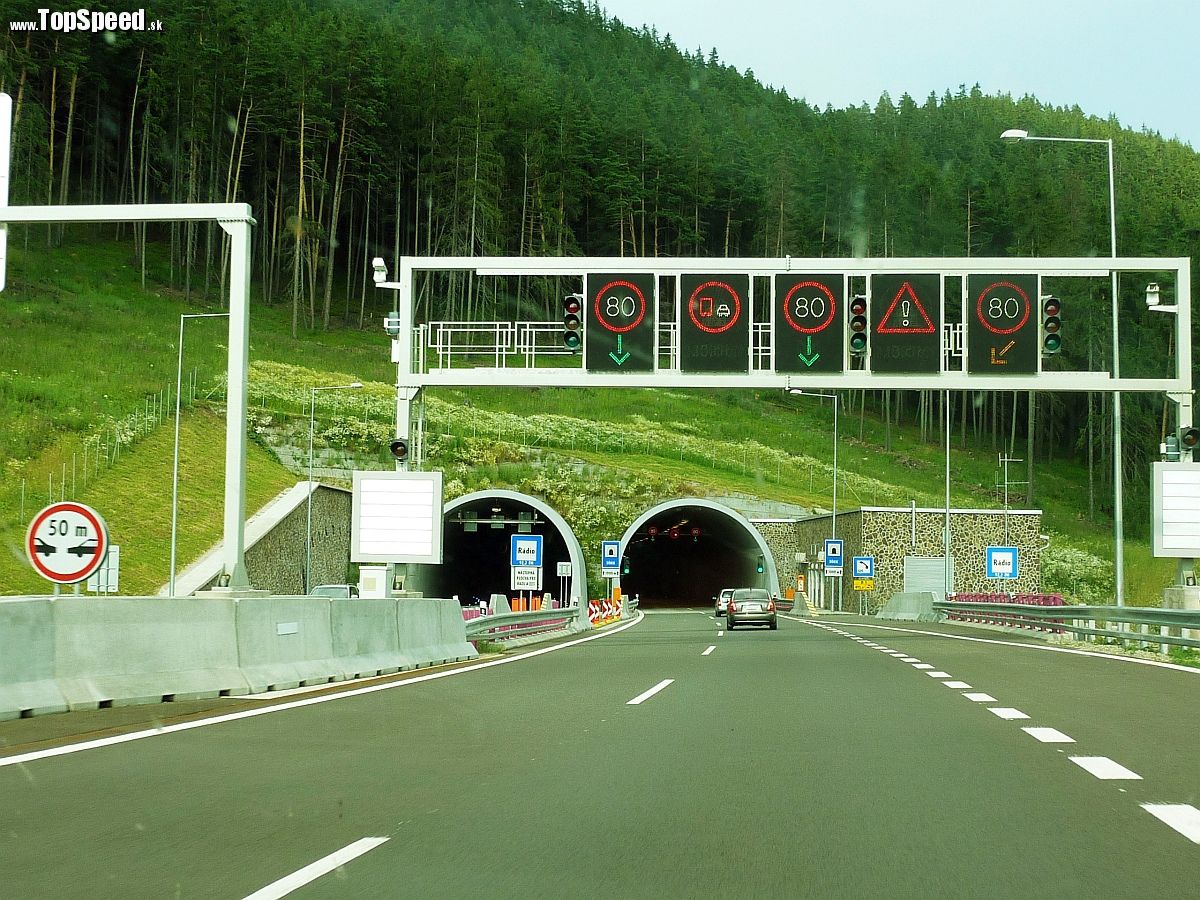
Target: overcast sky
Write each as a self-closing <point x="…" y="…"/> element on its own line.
<point x="1139" y="60"/>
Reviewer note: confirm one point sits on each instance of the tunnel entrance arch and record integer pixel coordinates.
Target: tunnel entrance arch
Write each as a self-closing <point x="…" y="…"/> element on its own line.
<point x="682" y="552"/>
<point x="477" y="530"/>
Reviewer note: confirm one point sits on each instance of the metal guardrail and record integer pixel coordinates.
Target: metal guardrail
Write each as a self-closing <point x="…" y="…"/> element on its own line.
<point x="518" y="624"/>
<point x="1066" y="618"/>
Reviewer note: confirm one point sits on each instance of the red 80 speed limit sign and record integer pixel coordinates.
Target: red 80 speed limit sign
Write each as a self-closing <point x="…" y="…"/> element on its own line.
<point x="67" y="542"/>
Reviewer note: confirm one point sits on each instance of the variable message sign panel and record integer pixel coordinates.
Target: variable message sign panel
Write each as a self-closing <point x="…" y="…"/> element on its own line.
<point x="906" y="323"/>
<point x="714" y="323"/>
<point x="807" y="313"/>
<point x="1002" y="326"/>
<point x="621" y="315"/>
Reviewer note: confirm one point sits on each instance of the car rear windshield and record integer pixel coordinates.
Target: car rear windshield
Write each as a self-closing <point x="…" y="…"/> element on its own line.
<point x="751" y="594"/>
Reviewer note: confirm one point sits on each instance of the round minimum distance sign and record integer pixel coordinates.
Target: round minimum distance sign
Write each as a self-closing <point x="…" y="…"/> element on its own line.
<point x="714" y="307"/>
<point x="67" y="542"/>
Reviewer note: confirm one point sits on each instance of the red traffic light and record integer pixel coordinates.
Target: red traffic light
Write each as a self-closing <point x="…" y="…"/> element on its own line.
<point x="1051" y="306"/>
<point x="858" y="305"/>
<point x="399" y="448"/>
<point x="1189" y="437"/>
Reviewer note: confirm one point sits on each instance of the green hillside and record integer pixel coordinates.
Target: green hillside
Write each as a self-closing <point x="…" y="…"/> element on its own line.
<point x="85" y="349"/>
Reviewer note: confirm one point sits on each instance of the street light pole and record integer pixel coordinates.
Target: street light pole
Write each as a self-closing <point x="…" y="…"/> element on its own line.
<point x="833" y="518"/>
<point x="312" y="412"/>
<point x="1017" y="134"/>
<point x="175" y="465"/>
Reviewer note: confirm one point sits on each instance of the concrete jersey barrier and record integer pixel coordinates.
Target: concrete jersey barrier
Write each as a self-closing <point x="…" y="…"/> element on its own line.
<point x="27" y="683"/>
<point x="914" y="607"/>
<point x="125" y="650"/>
<point x="366" y="640"/>
<point x="286" y="642"/>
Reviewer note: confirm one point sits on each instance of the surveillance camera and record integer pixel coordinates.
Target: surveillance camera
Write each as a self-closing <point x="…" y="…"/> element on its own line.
<point x="380" y="269"/>
<point x="1152" y="292"/>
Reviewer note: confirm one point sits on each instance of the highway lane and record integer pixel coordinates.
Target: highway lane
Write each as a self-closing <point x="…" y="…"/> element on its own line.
<point x="790" y="763"/>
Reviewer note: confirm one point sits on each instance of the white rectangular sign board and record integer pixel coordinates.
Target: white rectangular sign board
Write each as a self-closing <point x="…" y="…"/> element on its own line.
<point x="526" y="578"/>
<point x="1176" y="516"/>
<point x="107" y="578"/>
<point x="397" y="517"/>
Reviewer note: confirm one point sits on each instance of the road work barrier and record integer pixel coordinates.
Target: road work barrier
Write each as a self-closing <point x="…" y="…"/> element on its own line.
<point x="87" y="652"/>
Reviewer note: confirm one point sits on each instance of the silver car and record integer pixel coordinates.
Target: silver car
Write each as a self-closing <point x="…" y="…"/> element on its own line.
<point x="722" y="600"/>
<point x="751" y="606"/>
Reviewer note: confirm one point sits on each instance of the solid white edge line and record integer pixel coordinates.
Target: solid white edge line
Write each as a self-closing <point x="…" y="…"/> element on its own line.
<point x="296" y="704"/>
<point x="1104" y="768"/>
<point x="646" y="695"/>
<point x="978" y="640"/>
<point x="709" y="650"/>
<point x="313" y="871"/>
<point x="1183" y="817"/>
<point x="1048" y="735"/>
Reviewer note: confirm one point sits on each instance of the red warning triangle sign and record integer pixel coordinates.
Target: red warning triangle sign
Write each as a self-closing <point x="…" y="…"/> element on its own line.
<point x="902" y="316"/>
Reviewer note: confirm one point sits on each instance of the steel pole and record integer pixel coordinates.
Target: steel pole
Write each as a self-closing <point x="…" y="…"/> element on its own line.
<point x="1118" y="474"/>
<point x="175" y="465"/>
<point x="312" y="409"/>
<point x="946" y="536"/>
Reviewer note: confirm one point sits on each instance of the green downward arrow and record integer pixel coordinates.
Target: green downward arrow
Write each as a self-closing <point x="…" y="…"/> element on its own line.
<point x="811" y="357"/>
<point x="619" y="359"/>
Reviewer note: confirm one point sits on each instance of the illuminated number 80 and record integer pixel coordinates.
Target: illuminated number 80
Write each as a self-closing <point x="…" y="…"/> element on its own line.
<point x="810" y="307"/>
<point x="622" y="307"/>
<point x="1007" y="308"/>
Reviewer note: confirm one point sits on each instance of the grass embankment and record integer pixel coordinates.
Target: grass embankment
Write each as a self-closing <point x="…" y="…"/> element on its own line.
<point x="83" y="346"/>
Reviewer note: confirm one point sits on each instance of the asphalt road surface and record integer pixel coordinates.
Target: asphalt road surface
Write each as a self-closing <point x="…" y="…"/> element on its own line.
<point x="803" y="762"/>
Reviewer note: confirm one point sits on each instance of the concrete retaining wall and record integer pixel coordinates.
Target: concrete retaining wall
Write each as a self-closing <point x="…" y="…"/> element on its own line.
<point x="27" y="685"/>
<point x="84" y="652"/>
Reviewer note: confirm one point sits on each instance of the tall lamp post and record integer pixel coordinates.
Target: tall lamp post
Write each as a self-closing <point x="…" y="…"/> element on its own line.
<point x="175" y="466"/>
<point x="312" y="414"/>
<point x="836" y="403"/>
<point x="1013" y="135"/>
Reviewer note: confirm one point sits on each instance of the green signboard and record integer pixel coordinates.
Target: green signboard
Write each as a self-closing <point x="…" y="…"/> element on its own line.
<point x="1002" y="324"/>
<point x="906" y="323"/>
<point x="714" y="323"/>
<point x="621" y="316"/>
<point x="807" y="331"/>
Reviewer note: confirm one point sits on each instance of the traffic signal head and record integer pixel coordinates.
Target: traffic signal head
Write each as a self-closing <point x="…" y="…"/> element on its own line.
<point x="624" y="565"/>
<point x="759" y="568"/>
<point x="1051" y="325"/>
<point x="1189" y="438"/>
<point x="572" y="321"/>
<point x="858" y="325"/>
<point x="399" y="448"/>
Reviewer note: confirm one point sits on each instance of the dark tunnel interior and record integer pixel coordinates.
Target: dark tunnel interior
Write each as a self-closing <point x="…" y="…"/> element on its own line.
<point x="475" y="551"/>
<point x="684" y="555"/>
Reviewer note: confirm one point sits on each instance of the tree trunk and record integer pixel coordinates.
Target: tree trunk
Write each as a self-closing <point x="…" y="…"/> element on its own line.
<point x="340" y="173"/>
<point x="298" y="230"/>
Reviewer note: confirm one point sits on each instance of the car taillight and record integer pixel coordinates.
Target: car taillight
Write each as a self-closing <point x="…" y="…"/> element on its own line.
<point x="771" y="606"/>
<point x="731" y="607"/>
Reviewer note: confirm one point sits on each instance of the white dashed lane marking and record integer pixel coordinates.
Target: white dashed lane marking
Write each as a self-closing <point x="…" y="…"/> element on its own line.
<point x="922" y="666"/>
<point x="980" y="698"/>
<point x="313" y="871"/>
<point x="646" y="695"/>
<point x="709" y="650"/>
<point x="1104" y="768"/>
<point x="1007" y="712"/>
<point x="958" y="685"/>
<point x="1183" y="817"/>
<point x="938" y="674"/>
<point x="909" y="659"/>
<point x="1049" y="735"/>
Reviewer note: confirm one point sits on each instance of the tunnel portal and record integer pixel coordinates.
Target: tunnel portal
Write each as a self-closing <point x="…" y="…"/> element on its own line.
<point x="680" y="554"/>
<point x="478" y="529"/>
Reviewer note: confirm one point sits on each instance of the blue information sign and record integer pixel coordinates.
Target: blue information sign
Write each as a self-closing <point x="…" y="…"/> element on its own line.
<point x="833" y="553"/>
<point x="864" y="567"/>
<point x="526" y="550"/>
<point x="1002" y="562"/>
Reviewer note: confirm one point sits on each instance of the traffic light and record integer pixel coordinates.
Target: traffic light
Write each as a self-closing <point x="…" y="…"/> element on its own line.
<point x="858" y="325"/>
<point x="572" y="322"/>
<point x="1051" y="325"/>
<point x="624" y="565"/>
<point x="399" y="448"/>
<point x="759" y="568"/>
<point x="1189" y="439"/>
